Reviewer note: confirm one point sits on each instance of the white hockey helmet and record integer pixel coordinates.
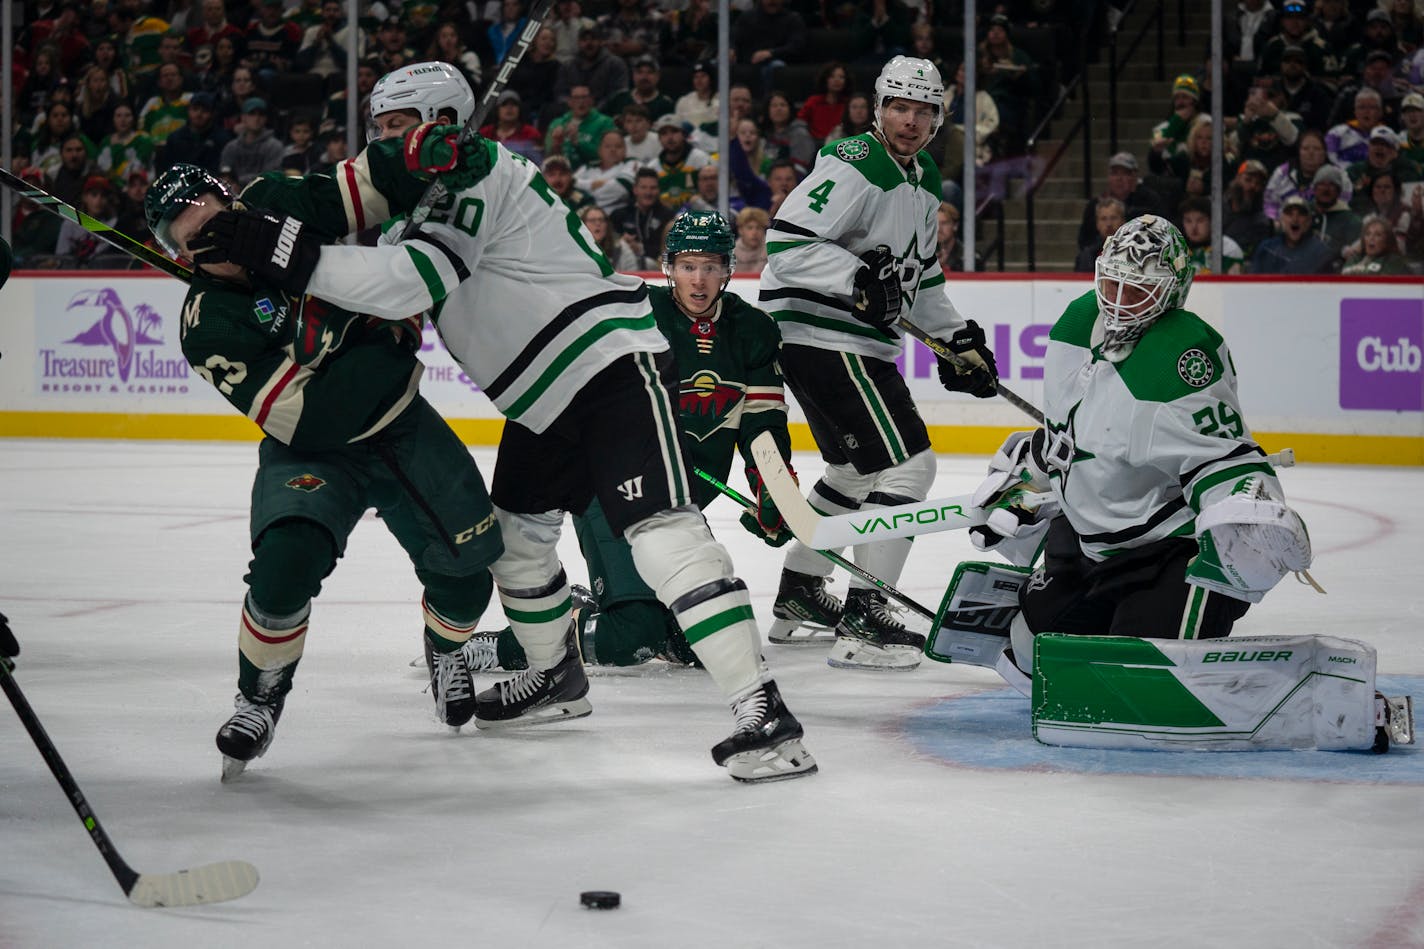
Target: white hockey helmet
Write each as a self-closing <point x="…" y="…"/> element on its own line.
<point x="906" y="77"/>
<point x="427" y="88"/>
<point x="1144" y="270"/>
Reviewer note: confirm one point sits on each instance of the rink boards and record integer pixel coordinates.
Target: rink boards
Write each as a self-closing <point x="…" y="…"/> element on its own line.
<point x="1329" y="367"/>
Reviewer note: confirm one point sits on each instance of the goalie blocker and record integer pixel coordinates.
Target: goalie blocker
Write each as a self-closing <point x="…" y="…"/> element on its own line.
<point x="1258" y="693"/>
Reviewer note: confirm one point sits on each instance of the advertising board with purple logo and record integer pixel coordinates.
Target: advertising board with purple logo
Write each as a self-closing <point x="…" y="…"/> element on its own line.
<point x="1382" y="355"/>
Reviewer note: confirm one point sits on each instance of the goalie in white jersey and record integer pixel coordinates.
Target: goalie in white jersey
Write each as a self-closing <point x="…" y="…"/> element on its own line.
<point x="570" y="353"/>
<point x="1166" y="520"/>
<point x="852" y="249"/>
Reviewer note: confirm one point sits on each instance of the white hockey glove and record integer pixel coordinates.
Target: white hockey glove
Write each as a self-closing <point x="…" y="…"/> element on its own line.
<point x="1016" y="494"/>
<point x="1248" y="541"/>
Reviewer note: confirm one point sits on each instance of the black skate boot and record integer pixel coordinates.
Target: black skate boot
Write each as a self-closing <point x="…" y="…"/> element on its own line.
<point x="870" y="637"/>
<point x="247" y="734"/>
<point x="765" y="745"/>
<point x="481" y="652"/>
<point x="805" y="613"/>
<point x="450" y="684"/>
<point x="535" y="696"/>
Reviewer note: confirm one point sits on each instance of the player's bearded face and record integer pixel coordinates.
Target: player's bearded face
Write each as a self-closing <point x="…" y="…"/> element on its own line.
<point x="697" y="281"/>
<point x="906" y="125"/>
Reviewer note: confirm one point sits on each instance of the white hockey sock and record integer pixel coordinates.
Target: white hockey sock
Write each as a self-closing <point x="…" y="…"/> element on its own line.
<point x="271" y="642"/>
<point x="719" y="624"/>
<point x="540" y="620"/>
<point x="826" y="499"/>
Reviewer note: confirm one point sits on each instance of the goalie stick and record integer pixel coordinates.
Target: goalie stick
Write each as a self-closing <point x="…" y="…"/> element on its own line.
<point x="210" y="883"/>
<point x="107" y="234"/>
<point x="436" y="190"/>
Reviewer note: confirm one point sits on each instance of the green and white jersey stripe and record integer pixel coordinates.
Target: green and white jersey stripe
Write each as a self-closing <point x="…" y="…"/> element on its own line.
<point x="1149" y="441"/>
<point x="527" y="304"/>
<point x="856" y="198"/>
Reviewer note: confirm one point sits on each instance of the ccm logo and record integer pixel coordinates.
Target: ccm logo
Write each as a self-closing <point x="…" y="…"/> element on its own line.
<point x="286" y="242"/>
<point x="1374" y="356"/>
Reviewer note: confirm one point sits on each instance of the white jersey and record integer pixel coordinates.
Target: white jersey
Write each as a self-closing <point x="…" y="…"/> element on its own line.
<point x="856" y="198"/>
<point x="1135" y="449"/>
<point x="612" y="188"/>
<point x="517" y="287"/>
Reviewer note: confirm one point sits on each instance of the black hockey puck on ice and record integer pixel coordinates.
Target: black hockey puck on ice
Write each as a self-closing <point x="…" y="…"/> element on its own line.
<point x="600" y="899"/>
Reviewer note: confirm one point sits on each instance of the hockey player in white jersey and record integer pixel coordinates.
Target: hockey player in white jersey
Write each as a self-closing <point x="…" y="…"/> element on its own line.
<point x="1166" y="519"/>
<point x="853" y="249"/>
<point x="570" y="353"/>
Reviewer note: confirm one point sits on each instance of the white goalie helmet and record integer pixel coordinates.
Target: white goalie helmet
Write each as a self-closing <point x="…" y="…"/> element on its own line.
<point x="906" y="77"/>
<point x="1144" y="270"/>
<point x="427" y="88"/>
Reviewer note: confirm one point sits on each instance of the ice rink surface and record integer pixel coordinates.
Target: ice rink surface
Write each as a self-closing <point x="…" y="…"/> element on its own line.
<point x="935" y="820"/>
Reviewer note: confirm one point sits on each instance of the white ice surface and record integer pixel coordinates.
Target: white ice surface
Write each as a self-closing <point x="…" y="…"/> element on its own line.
<point x="121" y="571"/>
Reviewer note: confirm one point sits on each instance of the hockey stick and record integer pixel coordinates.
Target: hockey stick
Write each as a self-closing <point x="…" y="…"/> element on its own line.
<point x="436" y="190"/>
<point x="959" y="362"/>
<point x="210" y="883"/>
<point x="111" y="236"/>
<point x="832" y="556"/>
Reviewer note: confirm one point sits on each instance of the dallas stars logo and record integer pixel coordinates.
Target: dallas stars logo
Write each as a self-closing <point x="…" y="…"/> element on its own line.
<point x="852" y="149"/>
<point x="1195" y="368"/>
<point x="707" y="404"/>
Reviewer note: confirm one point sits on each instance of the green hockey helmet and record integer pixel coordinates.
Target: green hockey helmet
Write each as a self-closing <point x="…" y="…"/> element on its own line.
<point x="177" y="189"/>
<point x="700" y="232"/>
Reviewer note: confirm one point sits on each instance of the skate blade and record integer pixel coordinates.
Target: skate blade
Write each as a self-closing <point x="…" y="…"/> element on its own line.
<point x="231" y="768"/>
<point x="418" y="663"/>
<point x="791" y="632"/>
<point x="856" y="654"/>
<point x="790" y="759"/>
<point x="545" y="715"/>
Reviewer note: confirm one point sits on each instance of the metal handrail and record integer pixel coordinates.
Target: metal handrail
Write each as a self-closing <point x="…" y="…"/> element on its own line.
<point x="1038" y="175"/>
<point x="1157" y="20"/>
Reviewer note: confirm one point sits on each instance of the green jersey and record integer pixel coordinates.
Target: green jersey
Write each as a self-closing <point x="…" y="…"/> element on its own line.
<point x="729" y="383"/>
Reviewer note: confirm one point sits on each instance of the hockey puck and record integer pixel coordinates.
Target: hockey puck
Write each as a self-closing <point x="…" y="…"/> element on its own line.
<point x="600" y="899"/>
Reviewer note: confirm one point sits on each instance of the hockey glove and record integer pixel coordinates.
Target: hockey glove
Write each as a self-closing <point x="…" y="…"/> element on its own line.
<point x="1247" y="542"/>
<point x="980" y="377"/>
<point x="433" y="149"/>
<point x="1016" y="526"/>
<point x="277" y="249"/>
<point x="767" y="523"/>
<point x="877" y="299"/>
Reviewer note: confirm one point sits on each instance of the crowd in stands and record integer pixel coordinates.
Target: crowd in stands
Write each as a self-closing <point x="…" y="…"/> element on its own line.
<point x="1322" y="116"/>
<point x="615" y="101"/>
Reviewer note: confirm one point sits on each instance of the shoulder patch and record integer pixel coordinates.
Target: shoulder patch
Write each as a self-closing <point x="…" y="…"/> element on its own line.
<point x="1195" y="368"/>
<point x="852" y="149"/>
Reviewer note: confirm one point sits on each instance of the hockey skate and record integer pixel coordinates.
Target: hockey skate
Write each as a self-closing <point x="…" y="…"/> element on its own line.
<point x="870" y="637"/>
<point x="765" y="744"/>
<point x="537" y="696"/>
<point x="1394" y="721"/>
<point x="804" y="612"/>
<point x="247" y="734"/>
<point x="481" y="652"/>
<point x="450" y="684"/>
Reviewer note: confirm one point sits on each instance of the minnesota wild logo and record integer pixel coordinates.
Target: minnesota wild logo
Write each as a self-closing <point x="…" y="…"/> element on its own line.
<point x="852" y="149"/>
<point x="707" y="404"/>
<point x="1195" y="368"/>
<point x="305" y="482"/>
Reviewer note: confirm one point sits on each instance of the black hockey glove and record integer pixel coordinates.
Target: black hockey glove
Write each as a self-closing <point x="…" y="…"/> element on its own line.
<point x="981" y="377"/>
<point x="277" y="249"/>
<point x="9" y="648"/>
<point x="767" y="523"/>
<point x="878" y="297"/>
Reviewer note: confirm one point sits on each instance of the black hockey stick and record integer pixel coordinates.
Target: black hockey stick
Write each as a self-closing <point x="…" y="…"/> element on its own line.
<point x="959" y="362"/>
<point x="211" y="883"/>
<point x="111" y="236"/>
<point x="533" y="24"/>
<point x="830" y="555"/>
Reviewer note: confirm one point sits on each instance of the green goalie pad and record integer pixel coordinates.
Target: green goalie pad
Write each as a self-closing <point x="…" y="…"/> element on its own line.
<point x="972" y="625"/>
<point x="1253" y="693"/>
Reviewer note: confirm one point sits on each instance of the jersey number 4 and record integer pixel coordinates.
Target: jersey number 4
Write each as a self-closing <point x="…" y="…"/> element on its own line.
<point x="819" y="195"/>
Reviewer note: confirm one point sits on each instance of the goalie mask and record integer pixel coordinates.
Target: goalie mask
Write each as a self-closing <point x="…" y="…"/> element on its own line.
<point x="918" y="80"/>
<point x="428" y="88"/>
<point x="177" y="189"/>
<point x="699" y="232"/>
<point x="1143" y="271"/>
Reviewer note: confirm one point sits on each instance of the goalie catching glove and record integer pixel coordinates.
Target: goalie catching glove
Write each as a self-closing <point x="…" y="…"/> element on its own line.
<point x="978" y="375"/>
<point x="878" y="298"/>
<point x="1018" y="500"/>
<point x="767" y="523"/>
<point x="277" y="249"/>
<point x="1248" y="541"/>
<point x="434" y="149"/>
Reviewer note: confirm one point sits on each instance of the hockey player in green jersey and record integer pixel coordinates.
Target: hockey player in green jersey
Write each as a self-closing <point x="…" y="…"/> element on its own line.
<point x="1165" y="519"/>
<point x="570" y="353"/>
<point x="852" y="250"/>
<point x="346" y="429"/>
<point x="729" y="391"/>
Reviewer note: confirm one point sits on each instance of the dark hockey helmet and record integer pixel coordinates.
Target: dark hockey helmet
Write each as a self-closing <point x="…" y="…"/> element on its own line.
<point x="177" y="189"/>
<point x="700" y="232"/>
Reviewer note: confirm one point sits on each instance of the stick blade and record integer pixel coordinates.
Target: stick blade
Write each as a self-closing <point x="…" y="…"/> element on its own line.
<point x="797" y="513"/>
<point x="211" y="883"/>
